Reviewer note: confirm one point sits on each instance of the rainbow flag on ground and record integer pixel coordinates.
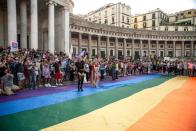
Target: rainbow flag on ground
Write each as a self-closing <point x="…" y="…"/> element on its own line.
<point x="136" y="103"/>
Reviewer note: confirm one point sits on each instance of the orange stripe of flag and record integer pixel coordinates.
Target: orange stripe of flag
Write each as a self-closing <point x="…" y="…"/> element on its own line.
<point x="176" y="112"/>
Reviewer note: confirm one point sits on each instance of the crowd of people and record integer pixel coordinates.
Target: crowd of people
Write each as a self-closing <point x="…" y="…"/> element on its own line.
<point x="35" y="69"/>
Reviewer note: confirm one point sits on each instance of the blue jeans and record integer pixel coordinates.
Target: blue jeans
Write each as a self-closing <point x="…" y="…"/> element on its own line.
<point x="102" y="74"/>
<point x="32" y="81"/>
<point x="113" y="74"/>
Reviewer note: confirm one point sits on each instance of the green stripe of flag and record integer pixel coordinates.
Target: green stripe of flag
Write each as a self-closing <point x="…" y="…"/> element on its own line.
<point x="50" y="115"/>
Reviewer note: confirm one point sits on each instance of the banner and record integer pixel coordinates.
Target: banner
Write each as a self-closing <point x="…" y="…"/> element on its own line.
<point x="13" y="46"/>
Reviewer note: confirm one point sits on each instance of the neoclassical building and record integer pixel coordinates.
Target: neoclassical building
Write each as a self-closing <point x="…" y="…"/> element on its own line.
<point x="106" y="41"/>
<point x="38" y="24"/>
<point x="50" y="25"/>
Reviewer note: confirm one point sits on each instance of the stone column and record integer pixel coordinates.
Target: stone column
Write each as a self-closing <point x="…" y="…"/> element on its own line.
<point x="141" y="44"/>
<point x="116" y="48"/>
<point x="23" y="23"/>
<point x="98" y="46"/>
<point x="90" y="46"/>
<point x="51" y="26"/>
<point x="149" y="41"/>
<point x="66" y="31"/>
<point x="124" y="47"/>
<point x="192" y="49"/>
<point x="133" y="46"/>
<point x="182" y="49"/>
<point x="107" y="47"/>
<point x="34" y="25"/>
<point x="80" y="42"/>
<point x="12" y="22"/>
<point x="70" y="43"/>
<point x="165" y="48"/>
<point x="174" y="48"/>
<point x="157" y="48"/>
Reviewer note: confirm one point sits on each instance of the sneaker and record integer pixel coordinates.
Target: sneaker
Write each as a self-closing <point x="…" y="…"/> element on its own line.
<point x="46" y="85"/>
<point x="49" y="85"/>
<point x="60" y="84"/>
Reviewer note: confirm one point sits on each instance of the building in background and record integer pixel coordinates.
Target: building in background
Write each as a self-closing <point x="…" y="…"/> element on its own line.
<point x="149" y="21"/>
<point x="158" y="20"/>
<point x="50" y="25"/>
<point x="111" y="14"/>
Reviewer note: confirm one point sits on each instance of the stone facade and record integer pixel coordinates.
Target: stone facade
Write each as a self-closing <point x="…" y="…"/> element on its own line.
<point x="158" y="20"/>
<point x="38" y="24"/>
<point x="111" y="14"/>
<point x="149" y="21"/>
<point x="123" y="42"/>
<point x="58" y="29"/>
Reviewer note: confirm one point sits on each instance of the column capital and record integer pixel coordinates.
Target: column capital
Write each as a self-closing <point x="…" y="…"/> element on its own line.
<point x="66" y="8"/>
<point x="99" y="35"/>
<point x="51" y="2"/>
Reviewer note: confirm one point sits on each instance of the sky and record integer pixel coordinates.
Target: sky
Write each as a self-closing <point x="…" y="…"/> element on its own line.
<point x="137" y="6"/>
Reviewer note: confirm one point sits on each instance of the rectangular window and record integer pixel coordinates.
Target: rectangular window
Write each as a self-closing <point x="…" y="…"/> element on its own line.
<point x="153" y="16"/>
<point x="170" y="46"/>
<point x="84" y="49"/>
<point x="170" y="53"/>
<point x="135" y="26"/>
<point x="123" y="19"/>
<point x="153" y="45"/>
<point x="166" y="28"/>
<point x="144" y="25"/>
<point x="189" y="12"/>
<point x="128" y="53"/>
<point x="120" y="44"/>
<point x="74" y="50"/>
<point x="111" y="53"/>
<point x="106" y="21"/>
<point x="144" y="18"/>
<point x="93" y="52"/>
<point x="153" y="22"/>
<point x="111" y="44"/>
<point x="161" y="53"/>
<point x="188" y="46"/>
<point x="127" y="20"/>
<point x="176" y="28"/>
<point x="120" y="54"/>
<point x="185" y="28"/>
<point x="112" y="20"/>
<point x="161" y="46"/>
<point x="135" y="20"/>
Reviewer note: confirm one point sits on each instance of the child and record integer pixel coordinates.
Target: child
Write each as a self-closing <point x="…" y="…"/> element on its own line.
<point x="32" y="76"/>
<point x="46" y="74"/>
